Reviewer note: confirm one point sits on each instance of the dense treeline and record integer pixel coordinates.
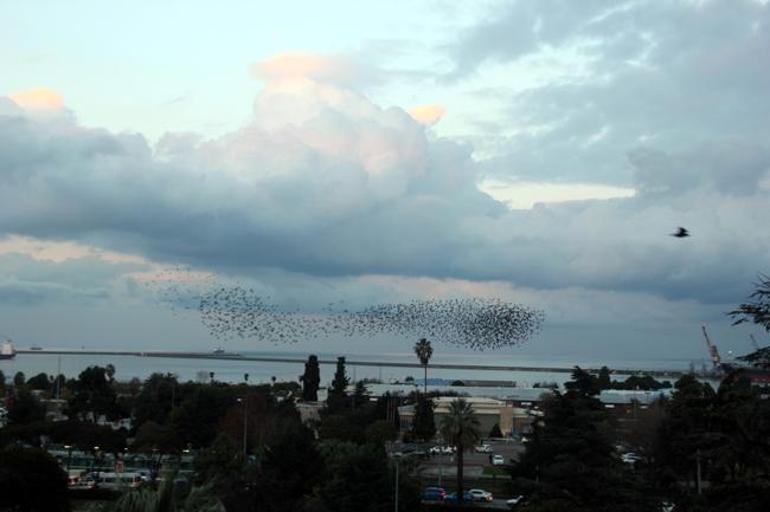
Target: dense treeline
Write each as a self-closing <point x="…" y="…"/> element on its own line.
<point x="700" y="449"/>
<point x="281" y="463"/>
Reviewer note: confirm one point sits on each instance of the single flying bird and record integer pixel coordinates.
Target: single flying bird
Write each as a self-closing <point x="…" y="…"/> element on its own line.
<point x="681" y="233"/>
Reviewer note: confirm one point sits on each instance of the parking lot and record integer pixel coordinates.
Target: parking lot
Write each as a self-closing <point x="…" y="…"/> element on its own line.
<point x="474" y="462"/>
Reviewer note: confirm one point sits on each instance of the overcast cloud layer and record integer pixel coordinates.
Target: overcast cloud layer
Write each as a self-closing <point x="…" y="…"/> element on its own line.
<point x="324" y="193"/>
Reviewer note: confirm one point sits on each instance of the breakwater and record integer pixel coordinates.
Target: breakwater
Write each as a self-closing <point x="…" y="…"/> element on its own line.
<point x="350" y="362"/>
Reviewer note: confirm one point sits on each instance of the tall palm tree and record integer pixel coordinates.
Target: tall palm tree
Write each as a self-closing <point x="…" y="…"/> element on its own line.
<point x="423" y="350"/>
<point x="460" y="428"/>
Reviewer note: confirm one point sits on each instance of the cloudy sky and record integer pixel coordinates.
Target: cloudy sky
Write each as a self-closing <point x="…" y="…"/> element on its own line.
<point x="367" y="152"/>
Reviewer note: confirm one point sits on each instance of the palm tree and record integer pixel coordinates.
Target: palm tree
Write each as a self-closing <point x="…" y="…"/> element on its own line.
<point x="423" y="350"/>
<point x="460" y="428"/>
<point x="165" y="499"/>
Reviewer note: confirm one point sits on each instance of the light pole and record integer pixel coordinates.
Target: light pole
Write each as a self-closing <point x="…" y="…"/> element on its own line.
<point x="69" y="456"/>
<point x="395" y="501"/>
<point x="245" y="422"/>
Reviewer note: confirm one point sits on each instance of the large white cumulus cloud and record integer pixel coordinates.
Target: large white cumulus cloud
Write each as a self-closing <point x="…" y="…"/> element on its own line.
<point x="324" y="182"/>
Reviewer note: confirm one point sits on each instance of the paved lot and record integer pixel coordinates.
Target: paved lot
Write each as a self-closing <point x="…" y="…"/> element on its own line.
<point x="474" y="462"/>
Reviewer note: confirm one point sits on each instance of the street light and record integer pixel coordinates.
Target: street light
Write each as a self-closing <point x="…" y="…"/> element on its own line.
<point x="245" y="422"/>
<point x="69" y="455"/>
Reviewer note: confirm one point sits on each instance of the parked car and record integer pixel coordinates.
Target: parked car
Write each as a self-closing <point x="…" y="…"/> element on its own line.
<point x="434" y="494"/>
<point x="498" y="460"/>
<point x="515" y="501"/>
<point x="452" y="498"/>
<point x="483" y="448"/>
<point x="480" y="495"/>
<point x="448" y="450"/>
<point x="435" y="450"/>
<point x="630" y="458"/>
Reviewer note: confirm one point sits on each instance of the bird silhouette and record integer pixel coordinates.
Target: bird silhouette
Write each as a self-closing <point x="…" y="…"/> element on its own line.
<point x="681" y="233"/>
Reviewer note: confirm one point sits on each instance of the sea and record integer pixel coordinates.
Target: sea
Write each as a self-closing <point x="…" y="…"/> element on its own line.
<point x="392" y="378"/>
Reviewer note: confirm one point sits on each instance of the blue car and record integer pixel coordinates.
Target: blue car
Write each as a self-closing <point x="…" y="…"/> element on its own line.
<point x="452" y="498"/>
<point x="433" y="494"/>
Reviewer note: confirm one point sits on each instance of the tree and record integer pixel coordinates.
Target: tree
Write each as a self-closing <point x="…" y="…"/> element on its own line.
<point x="460" y="427"/>
<point x="39" y="381"/>
<point x="583" y="382"/>
<point x="311" y="379"/>
<point x="360" y="394"/>
<point x="337" y="393"/>
<point x="380" y="432"/>
<point x="351" y="474"/>
<point x="424" y="352"/>
<point x="570" y="462"/>
<point x="167" y="498"/>
<point x="110" y="371"/>
<point x="156" y="398"/>
<point x="495" y="433"/>
<point x="290" y="468"/>
<point x="31" y="481"/>
<point x="604" y="378"/>
<point x="153" y="436"/>
<point x="25" y="409"/>
<point x="424" y="425"/>
<point x="2" y="384"/>
<point x="758" y="309"/>
<point x="19" y="379"/>
<point x="93" y="394"/>
<point x="198" y="417"/>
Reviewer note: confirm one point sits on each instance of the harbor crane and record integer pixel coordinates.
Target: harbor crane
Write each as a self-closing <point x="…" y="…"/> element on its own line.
<point x="713" y="352"/>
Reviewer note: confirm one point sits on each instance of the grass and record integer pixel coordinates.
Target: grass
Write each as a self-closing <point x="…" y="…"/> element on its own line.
<point x="494" y="472"/>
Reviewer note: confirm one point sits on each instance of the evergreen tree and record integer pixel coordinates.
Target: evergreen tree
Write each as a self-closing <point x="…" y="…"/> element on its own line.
<point x="570" y="461"/>
<point x="756" y="310"/>
<point x="583" y="383"/>
<point x="93" y="393"/>
<point x="360" y="394"/>
<point x="604" y="378"/>
<point x="39" y="381"/>
<point x="25" y="409"/>
<point x="31" y="481"/>
<point x="423" y="426"/>
<point x="19" y="379"/>
<point x="311" y="379"/>
<point x="338" y="390"/>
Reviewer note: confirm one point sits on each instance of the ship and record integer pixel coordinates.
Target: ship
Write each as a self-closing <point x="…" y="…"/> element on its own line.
<point x="7" y="350"/>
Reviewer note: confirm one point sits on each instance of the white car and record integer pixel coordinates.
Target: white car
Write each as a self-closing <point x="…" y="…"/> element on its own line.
<point x="514" y="501"/>
<point x="630" y="458"/>
<point x="448" y="450"/>
<point x="435" y="450"/>
<point x="498" y="460"/>
<point x="480" y="495"/>
<point x="483" y="448"/>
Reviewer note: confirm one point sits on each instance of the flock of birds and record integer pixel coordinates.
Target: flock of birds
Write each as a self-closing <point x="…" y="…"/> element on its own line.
<point x="237" y="312"/>
<point x="230" y="312"/>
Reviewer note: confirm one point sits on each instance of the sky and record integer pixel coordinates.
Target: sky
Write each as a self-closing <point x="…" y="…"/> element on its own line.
<point x="539" y="152"/>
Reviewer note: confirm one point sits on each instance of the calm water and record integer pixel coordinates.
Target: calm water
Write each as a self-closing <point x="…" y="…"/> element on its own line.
<point x="234" y="370"/>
